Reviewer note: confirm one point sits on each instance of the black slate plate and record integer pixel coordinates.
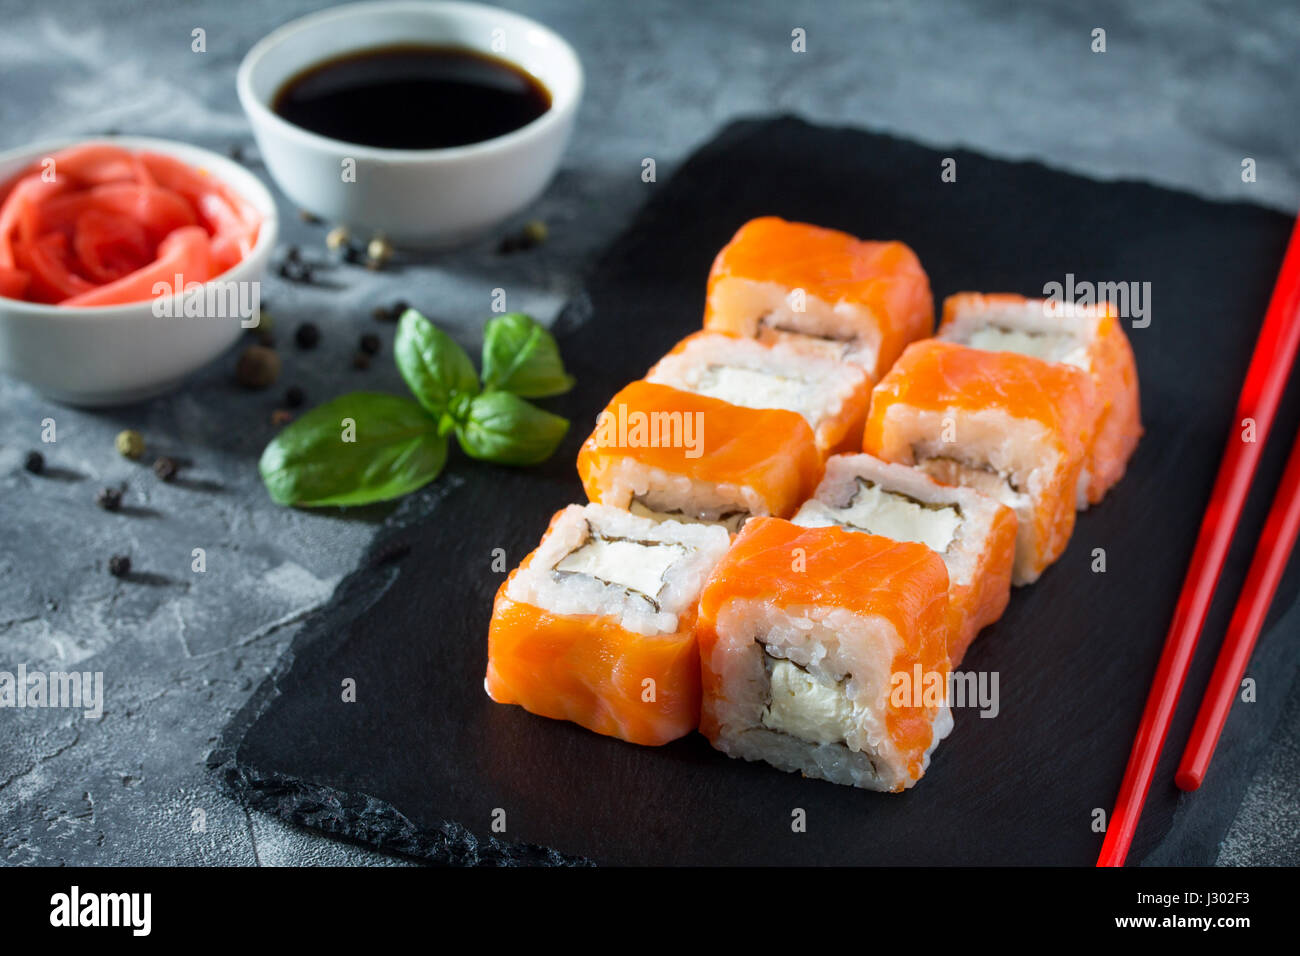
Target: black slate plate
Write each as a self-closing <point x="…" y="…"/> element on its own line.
<point x="422" y="760"/>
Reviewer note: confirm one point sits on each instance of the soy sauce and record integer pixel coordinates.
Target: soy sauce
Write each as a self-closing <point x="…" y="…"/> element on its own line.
<point x="412" y="97"/>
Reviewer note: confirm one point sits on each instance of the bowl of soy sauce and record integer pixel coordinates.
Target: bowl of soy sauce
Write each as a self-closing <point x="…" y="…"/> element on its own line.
<point x="426" y="122"/>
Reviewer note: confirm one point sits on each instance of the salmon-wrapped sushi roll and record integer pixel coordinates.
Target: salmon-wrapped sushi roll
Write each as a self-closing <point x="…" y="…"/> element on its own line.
<point x="597" y="625"/>
<point x="975" y="535"/>
<point x="854" y="300"/>
<point x="1088" y="337"/>
<point x="823" y="652"/>
<point x="1012" y="427"/>
<point x="662" y="452"/>
<point x="831" y="396"/>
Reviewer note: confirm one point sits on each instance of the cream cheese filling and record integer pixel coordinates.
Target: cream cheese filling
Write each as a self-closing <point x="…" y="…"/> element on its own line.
<point x="731" y="520"/>
<point x="754" y="388"/>
<point x="892" y="515"/>
<point x="803" y="706"/>
<point x="637" y="566"/>
<point x="1049" y="346"/>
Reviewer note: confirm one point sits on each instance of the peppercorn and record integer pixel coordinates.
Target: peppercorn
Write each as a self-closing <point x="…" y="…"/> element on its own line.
<point x="110" y="499"/>
<point x="130" y="444"/>
<point x="390" y="313"/>
<point x="307" y="336"/>
<point x="533" y="233"/>
<point x="361" y="361"/>
<point x="34" y="462"/>
<point x="281" y="416"/>
<point x="370" y="343"/>
<point x="536" y="232"/>
<point x="308" y="217"/>
<point x="337" y="238"/>
<point x="119" y="565"/>
<point x="258" y="367"/>
<point x="236" y="152"/>
<point x="293" y="396"/>
<point x="378" y="252"/>
<point x="166" y="468"/>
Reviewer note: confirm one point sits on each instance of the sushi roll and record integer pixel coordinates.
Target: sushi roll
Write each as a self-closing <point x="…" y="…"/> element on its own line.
<point x="665" y="453"/>
<point x="1012" y="427"/>
<point x="1087" y="337"/>
<point x="823" y="651"/>
<point x="975" y="535"/>
<point x="849" y="299"/>
<point x="597" y="625"/>
<point x="831" y="396"/>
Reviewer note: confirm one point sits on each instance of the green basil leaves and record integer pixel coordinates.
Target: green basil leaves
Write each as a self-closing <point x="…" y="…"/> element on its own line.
<point x="503" y="428"/>
<point x="520" y="356"/>
<point x="365" y="447"/>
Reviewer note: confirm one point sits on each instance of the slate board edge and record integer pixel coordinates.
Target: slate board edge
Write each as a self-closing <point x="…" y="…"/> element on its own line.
<point x="356" y="818"/>
<point x="372" y="822"/>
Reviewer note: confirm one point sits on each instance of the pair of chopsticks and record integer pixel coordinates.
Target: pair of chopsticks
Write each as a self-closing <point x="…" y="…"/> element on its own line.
<point x="1270" y="366"/>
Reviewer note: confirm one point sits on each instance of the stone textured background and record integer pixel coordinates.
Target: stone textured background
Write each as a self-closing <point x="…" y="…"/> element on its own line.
<point x="1183" y="93"/>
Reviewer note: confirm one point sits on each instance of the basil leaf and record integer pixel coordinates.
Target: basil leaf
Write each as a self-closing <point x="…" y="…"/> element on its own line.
<point x="503" y="428"/>
<point x="359" y="448"/>
<point x="434" y="366"/>
<point x="520" y="356"/>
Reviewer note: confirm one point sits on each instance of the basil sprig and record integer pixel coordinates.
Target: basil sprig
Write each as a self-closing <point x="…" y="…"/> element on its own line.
<point x="365" y="447"/>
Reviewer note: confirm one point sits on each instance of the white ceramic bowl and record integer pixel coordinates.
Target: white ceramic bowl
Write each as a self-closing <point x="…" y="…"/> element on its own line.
<point x="111" y="355"/>
<point x="426" y="196"/>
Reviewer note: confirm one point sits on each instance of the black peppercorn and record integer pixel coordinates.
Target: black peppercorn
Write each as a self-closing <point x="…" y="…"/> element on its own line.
<point x="369" y="343"/>
<point x="293" y="396"/>
<point x="165" y="468"/>
<point x="110" y="499"/>
<point x="307" y="336"/>
<point x="34" y="462"/>
<point x="257" y="367"/>
<point x="119" y="565"/>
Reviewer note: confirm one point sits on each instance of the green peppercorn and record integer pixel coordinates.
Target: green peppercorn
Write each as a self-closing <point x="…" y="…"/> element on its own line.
<point x="130" y="444"/>
<point x="536" y="232"/>
<point x="378" y="252"/>
<point x="337" y="238"/>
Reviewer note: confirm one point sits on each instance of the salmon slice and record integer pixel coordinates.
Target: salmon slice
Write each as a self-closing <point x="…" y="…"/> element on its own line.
<point x="1008" y="425"/>
<point x="577" y="642"/>
<point x="871" y="609"/>
<point x="678" y="454"/>
<point x="832" y="396"/>
<point x="973" y="533"/>
<point x="1090" y="338"/>
<point x="862" y="301"/>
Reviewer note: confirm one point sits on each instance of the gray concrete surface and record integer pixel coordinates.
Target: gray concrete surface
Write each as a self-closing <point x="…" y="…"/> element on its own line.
<point x="1184" y="92"/>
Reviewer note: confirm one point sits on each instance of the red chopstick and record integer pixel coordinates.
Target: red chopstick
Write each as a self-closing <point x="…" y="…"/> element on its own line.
<point x="1271" y="556"/>
<point x="1270" y="366"/>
